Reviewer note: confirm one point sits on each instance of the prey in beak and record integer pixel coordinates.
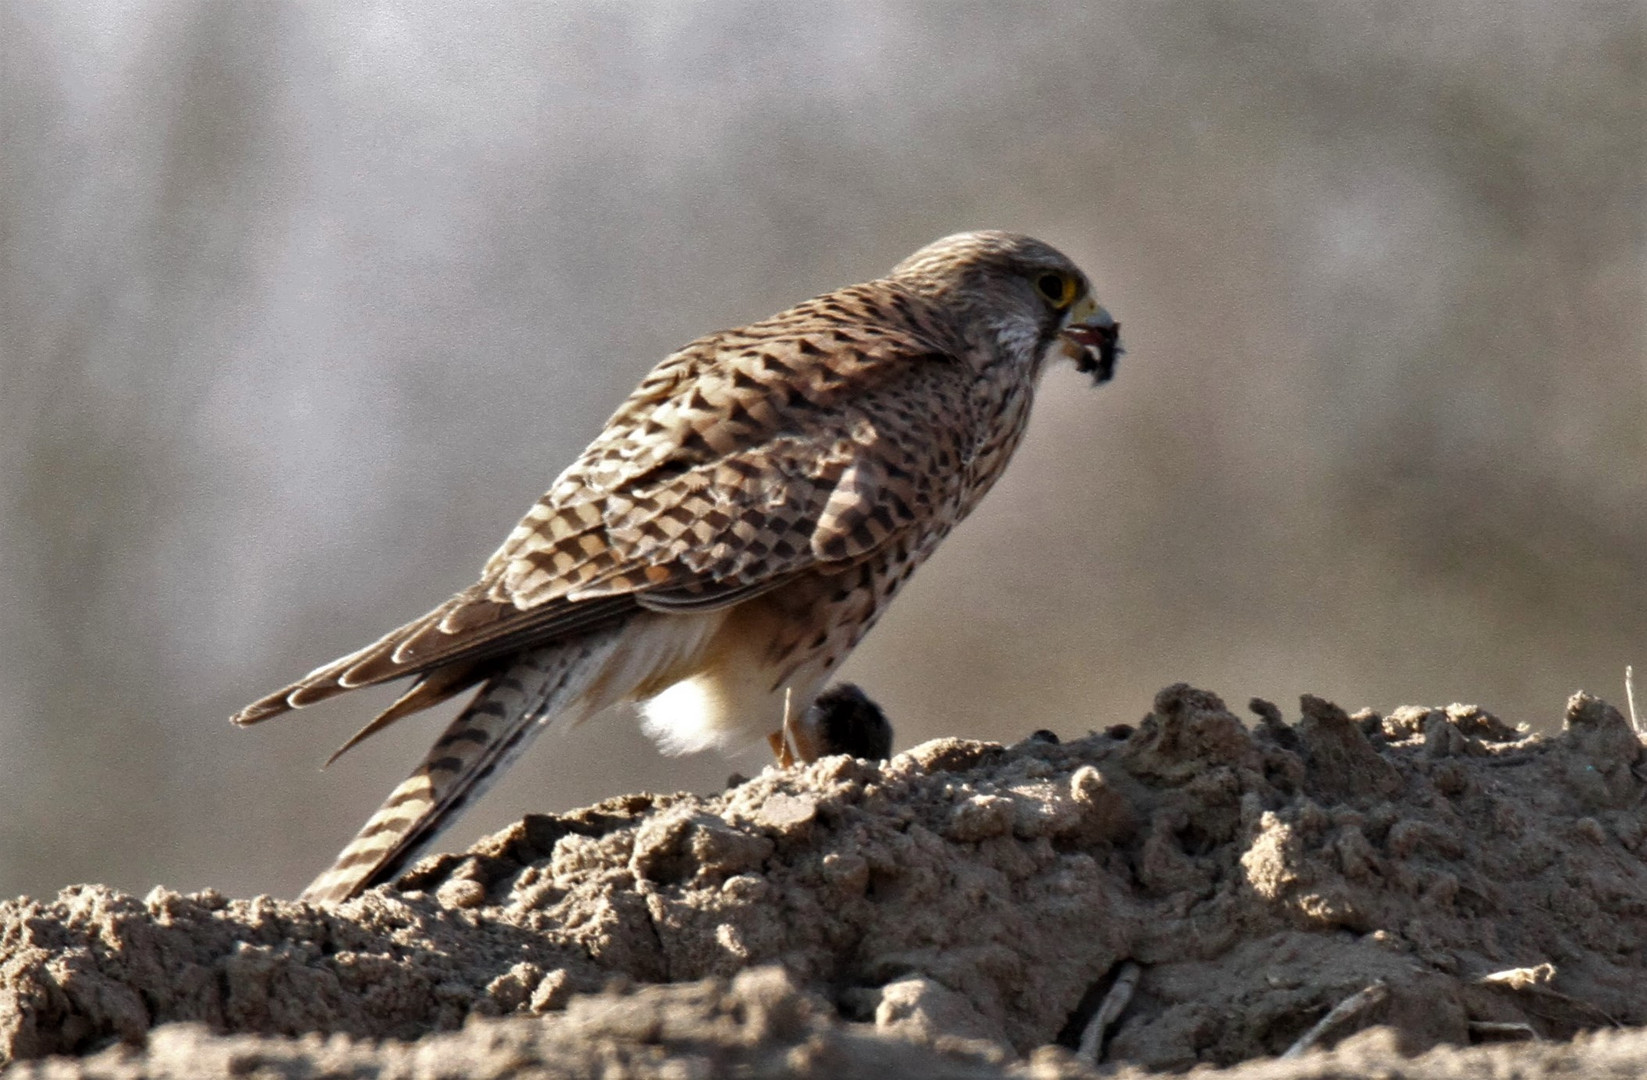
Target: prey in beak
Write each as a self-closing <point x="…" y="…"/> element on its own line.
<point x="1092" y="338"/>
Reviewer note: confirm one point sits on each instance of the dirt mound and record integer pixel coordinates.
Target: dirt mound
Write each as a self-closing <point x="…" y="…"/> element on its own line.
<point x="973" y="902"/>
<point x="761" y="1025"/>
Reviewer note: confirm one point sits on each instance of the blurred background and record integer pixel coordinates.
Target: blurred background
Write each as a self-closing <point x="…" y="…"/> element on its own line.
<point x="304" y="304"/>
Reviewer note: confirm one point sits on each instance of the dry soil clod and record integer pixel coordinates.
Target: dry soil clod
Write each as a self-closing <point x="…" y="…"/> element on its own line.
<point x="969" y="888"/>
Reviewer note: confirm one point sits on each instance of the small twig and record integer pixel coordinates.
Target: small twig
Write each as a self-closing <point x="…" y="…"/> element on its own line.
<point x="1361" y="999"/>
<point x="1114" y="1004"/>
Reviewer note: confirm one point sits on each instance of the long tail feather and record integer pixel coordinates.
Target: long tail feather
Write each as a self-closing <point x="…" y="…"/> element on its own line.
<point x="428" y="691"/>
<point x="510" y="711"/>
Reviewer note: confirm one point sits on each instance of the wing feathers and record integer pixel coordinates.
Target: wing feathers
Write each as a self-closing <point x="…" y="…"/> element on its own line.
<point x="510" y="631"/>
<point x="742" y="460"/>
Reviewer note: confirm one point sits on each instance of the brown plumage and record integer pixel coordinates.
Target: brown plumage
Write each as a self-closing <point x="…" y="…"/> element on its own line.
<point x="734" y="531"/>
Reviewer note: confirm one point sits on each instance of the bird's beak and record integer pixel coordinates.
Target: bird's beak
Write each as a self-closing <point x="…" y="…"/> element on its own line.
<point x="1092" y="338"/>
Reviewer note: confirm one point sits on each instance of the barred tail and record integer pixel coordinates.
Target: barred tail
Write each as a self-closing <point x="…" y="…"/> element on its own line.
<point x="512" y="708"/>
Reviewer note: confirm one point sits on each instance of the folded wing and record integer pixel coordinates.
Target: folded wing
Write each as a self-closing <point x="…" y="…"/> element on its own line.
<point x="744" y="459"/>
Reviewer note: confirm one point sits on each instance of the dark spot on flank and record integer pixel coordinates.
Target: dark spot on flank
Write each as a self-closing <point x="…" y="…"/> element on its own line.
<point x="695" y="442"/>
<point x="773" y="364"/>
<point x="665" y="470"/>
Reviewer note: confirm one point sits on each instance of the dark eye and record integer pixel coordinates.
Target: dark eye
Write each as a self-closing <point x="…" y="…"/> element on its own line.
<point x="1058" y="289"/>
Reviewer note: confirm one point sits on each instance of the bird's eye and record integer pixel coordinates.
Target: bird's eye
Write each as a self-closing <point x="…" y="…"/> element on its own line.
<point x="1059" y="289"/>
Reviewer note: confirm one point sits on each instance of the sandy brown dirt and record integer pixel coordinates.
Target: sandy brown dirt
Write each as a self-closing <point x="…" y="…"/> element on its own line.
<point x="949" y="913"/>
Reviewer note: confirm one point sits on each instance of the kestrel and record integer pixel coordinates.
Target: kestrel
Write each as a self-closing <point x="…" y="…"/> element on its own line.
<point x="737" y="527"/>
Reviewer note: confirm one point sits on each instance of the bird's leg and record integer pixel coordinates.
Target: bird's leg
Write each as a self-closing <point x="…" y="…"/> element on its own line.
<point x="779" y="740"/>
<point x="793" y="743"/>
<point x="780" y="749"/>
<point x="798" y="735"/>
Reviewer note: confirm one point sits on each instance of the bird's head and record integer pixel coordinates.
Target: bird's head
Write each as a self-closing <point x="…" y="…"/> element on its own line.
<point x="1025" y="293"/>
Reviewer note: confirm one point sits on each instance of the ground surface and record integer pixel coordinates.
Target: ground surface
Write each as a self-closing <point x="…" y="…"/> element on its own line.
<point x="959" y="911"/>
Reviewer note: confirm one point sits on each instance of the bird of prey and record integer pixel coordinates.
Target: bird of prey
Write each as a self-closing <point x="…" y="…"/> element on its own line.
<point x="740" y="523"/>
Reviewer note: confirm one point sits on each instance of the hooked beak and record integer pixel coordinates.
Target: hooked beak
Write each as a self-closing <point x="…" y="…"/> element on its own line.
<point x="1092" y="338"/>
